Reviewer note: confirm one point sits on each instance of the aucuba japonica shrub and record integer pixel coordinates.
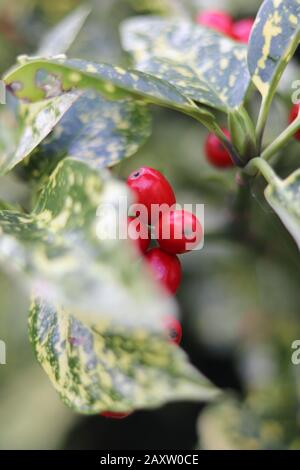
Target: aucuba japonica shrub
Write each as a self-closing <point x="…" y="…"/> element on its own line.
<point x="98" y="318"/>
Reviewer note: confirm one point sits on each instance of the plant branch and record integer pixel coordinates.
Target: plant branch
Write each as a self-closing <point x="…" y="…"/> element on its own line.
<point x="258" y="164"/>
<point x="282" y="139"/>
<point x="214" y="127"/>
<point x="262" y="119"/>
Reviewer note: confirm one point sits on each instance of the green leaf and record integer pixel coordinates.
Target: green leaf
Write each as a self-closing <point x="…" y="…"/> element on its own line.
<point x="35" y="79"/>
<point x="274" y="39"/>
<point x="204" y="65"/>
<point x="61" y="37"/>
<point x="95" y="369"/>
<point x="95" y="130"/>
<point x="39" y="121"/>
<point x="284" y="198"/>
<point x="58" y="250"/>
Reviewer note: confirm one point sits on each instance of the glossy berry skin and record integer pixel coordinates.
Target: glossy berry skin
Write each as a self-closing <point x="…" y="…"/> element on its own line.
<point x="293" y="115"/>
<point x="218" y="20"/>
<point x="174" y="329"/>
<point x="151" y="187"/>
<point x="114" y="415"/>
<point x="166" y="269"/>
<point x="216" y="154"/>
<point x="241" y="30"/>
<point x="137" y="233"/>
<point x="178" y="231"/>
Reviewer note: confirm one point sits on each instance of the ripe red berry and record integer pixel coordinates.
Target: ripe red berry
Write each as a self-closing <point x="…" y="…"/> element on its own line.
<point x="215" y="151"/>
<point x="151" y="187"/>
<point x="293" y="115"/>
<point x="174" y="329"/>
<point x="217" y="20"/>
<point x="114" y="415"/>
<point x="241" y="30"/>
<point x="178" y="231"/>
<point x="139" y="234"/>
<point x="166" y="268"/>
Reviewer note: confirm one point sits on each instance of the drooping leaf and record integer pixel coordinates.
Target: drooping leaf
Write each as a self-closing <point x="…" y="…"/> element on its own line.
<point x="204" y="65"/>
<point x="40" y="120"/>
<point x="95" y="370"/>
<point x="59" y="39"/>
<point x="36" y="79"/>
<point x="284" y="198"/>
<point x="274" y="39"/>
<point x="61" y="250"/>
<point x="95" y="130"/>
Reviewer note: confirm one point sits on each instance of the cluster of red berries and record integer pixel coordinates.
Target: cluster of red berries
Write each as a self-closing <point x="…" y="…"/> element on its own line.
<point x="150" y="188"/>
<point x="223" y="23"/>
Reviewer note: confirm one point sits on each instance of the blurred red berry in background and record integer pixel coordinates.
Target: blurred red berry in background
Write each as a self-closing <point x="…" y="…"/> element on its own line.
<point x="215" y="151"/>
<point x="293" y="115"/>
<point x="241" y="29"/>
<point x="218" y="20"/>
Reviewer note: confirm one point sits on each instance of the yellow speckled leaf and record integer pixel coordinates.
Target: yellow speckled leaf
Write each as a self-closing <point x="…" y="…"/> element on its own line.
<point x="284" y="198"/>
<point x="97" y="369"/>
<point x="205" y="66"/>
<point x="35" y="79"/>
<point x="95" y="130"/>
<point x="37" y="125"/>
<point x="274" y="39"/>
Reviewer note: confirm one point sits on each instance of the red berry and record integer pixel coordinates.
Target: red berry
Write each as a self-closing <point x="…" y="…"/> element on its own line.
<point x="166" y="268"/>
<point x="139" y="234"/>
<point x="241" y="30"/>
<point x="178" y="231"/>
<point x="151" y="187"/>
<point x="293" y="115"/>
<point x="215" y="151"/>
<point x="217" y="20"/>
<point x="174" y="329"/>
<point x="114" y="415"/>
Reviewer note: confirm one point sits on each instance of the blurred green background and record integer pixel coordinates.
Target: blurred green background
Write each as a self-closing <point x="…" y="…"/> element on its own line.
<point x="240" y="295"/>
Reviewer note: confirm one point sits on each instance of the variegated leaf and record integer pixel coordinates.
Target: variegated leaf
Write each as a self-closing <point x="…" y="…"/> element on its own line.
<point x="37" y="78"/>
<point x="39" y="121"/>
<point x="59" y="39"/>
<point x="284" y="198"/>
<point x="60" y="250"/>
<point x="95" y="130"/>
<point x="274" y="39"/>
<point x="112" y="131"/>
<point x="204" y="65"/>
<point x="96" y="369"/>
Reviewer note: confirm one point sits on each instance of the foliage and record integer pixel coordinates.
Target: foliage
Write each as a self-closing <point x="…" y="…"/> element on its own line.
<point x="72" y="119"/>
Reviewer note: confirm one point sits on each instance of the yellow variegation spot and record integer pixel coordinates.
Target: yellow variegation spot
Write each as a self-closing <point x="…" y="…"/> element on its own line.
<point x="74" y="77"/>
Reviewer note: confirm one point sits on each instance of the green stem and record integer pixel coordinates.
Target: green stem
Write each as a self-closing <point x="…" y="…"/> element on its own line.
<point x="214" y="127"/>
<point x="281" y="140"/>
<point x="262" y="119"/>
<point x="228" y="145"/>
<point x="258" y="164"/>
